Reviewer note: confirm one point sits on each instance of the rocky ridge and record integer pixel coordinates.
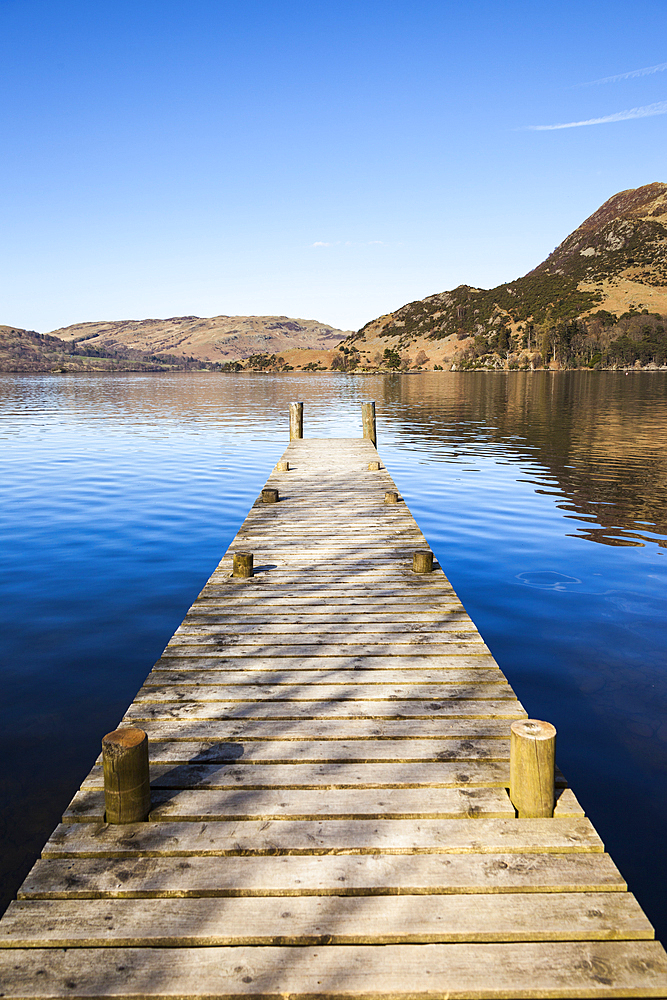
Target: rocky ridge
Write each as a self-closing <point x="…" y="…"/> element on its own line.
<point x="612" y="266"/>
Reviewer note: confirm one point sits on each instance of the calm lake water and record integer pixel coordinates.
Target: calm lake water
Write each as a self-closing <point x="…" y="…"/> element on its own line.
<point x="544" y="496"/>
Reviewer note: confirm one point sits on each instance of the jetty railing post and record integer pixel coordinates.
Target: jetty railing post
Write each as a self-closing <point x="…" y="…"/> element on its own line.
<point x="532" y="768"/>
<point x="422" y="561"/>
<point x="295" y="421"/>
<point x="127" y="790"/>
<point x="242" y="565"/>
<point x="368" y="422"/>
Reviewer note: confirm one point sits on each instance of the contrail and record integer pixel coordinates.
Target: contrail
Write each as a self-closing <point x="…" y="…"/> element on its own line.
<point x="621" y="116"/>
<point x="646" y="71"/>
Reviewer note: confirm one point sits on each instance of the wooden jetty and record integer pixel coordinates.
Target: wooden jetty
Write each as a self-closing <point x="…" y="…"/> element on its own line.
<point x="329" y="748"/>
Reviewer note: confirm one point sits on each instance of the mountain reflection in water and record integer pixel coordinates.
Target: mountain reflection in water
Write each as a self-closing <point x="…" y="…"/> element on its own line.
<point x="120" y="492"/>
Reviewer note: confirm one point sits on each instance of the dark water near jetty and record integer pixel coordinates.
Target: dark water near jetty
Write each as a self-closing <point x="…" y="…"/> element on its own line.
<point x="544" y="496"/>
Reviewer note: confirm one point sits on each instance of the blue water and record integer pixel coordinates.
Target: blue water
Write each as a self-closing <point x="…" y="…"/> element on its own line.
<point x="543" y="495"/>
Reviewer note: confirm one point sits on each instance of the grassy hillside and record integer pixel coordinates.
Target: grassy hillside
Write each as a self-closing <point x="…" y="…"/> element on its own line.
<point x="569" y="309"/>
<point x="210" y="339"/>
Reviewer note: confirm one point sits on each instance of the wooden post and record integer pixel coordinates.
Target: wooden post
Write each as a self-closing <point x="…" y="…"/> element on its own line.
<point x="373" y="466"/>
<point x="282" y="466"/>
<point x="242" y="564"/>
<point x="127" y="790"/>
<point x="391" y="496"/>
<point x="368" y="422"/>
<point x="422" y="561"/>
<point x="295" y="421"/>
<point x="270" y="495"/>
<point x="532" y="768"/>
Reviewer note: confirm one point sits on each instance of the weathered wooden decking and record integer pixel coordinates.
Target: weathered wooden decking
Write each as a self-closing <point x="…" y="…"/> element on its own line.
<point x="329" y="746"/>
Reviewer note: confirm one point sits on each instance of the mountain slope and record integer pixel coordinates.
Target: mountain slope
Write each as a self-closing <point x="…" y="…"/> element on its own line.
<point x="615" y="262"/>
<point x="28" y="351"/>
<point x="218" y="338"/>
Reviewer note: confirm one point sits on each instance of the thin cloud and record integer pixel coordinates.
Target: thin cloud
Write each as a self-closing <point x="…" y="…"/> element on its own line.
<point x="621" y="116"/>
<point x="646" y="71"/>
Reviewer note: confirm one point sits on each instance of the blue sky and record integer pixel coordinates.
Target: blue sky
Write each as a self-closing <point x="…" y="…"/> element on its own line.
<point x="324" y="160"/>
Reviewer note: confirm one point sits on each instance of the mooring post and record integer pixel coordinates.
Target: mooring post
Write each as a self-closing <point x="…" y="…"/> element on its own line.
<point x="373" y="466"/>
<point x="422" y="561"/>
<point x="391" y="496"/>
<point x="295" y="421"/>
<point x="127" y="790"/>
<point x="532" y="768"/>
<point x="270" y="495"/>
<point x="242" y="564"/>
<point x="282" y="466"/>
<point x="368" y="422"/>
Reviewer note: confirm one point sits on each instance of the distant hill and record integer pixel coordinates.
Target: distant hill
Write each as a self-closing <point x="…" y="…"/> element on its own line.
<point x="217" y="339"/>
<point x="568" y="311"/>
<point x="28" y="351"/>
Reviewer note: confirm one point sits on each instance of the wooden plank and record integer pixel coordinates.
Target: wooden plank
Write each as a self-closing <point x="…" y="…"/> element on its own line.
<point x="340" y="602"/>
<point x="294" y="628"/>
<point x="410" y="639"/>
<point x="278" y="675"/>
<point x="438" y="713"/>
<point x="567" y="803"/>
<point x="310" y="571"/>
<point x="230" y="736"/>
<point x="267" y="613"/>
<point x="429" y="971"/>
<point x="278" y="618"/>
<point x="350" y="803"/>
<point x="452" y="752"/>
<point x="272" y="571"/>
<point x="324" y="692"/>
<point x="386" y="773"/>
<point x="394" y="562"/>
<point x="262" y="589"/>
<point x="415" y="600"/>
<point x="118" y="923"/>
<point x="327" y="649"/>
<point x="178" y="725"/>
<point x="360" y="580"/>
<point x="320" y="875"/>
<point x="215" y="660"/>
<point x="392" y="556"/>
<point x="420" y="756"/>
<point x="442" y="836"/>
<point x="376" y="611"/>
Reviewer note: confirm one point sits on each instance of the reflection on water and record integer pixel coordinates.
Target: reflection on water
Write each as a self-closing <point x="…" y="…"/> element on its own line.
<point x="119" y="493"/>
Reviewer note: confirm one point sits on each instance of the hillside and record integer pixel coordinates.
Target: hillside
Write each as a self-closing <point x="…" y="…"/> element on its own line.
<point x="598" y="301"/>
<point x="217" y="339"/>
<point x="28" y="351"/>
<point x="568" y="311"/>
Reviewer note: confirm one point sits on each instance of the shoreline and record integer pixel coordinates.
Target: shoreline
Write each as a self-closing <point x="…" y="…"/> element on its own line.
<point x="325" y="371"/>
